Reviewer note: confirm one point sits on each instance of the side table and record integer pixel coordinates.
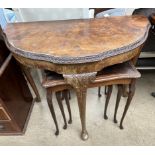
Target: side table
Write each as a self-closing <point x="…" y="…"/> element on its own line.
<point x="78" y="49"/>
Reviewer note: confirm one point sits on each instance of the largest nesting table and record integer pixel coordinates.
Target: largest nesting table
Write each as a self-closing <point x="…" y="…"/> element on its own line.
<point x="78" y="49"/>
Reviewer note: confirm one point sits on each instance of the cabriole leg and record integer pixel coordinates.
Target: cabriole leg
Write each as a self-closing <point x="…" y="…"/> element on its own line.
<point x="119" y="94"/>
<point x="69" y="94"/>
<point x="99" y="92"/>
<point x="58" y="97"/>
<point x="50" y="104"/>
<point x="105" y="90"/>
<point x="80" y="82"/>
<point x="125" y="91"/>
<point x="66" y="92"/>
<point x="107" y="101"/>
<point x="130" y="96"/>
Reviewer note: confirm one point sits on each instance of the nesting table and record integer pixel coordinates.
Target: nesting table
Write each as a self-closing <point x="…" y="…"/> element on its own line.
<point x="78" y="49"/>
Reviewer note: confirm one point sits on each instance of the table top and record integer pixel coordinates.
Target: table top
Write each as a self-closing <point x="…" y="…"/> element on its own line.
<point x="77" y="41"/>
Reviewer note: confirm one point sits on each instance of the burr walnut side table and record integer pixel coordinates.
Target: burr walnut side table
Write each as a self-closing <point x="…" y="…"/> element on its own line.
<point x="78" y="49"/>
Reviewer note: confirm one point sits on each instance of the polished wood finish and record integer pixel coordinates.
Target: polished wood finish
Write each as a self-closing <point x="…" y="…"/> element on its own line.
<point x="110" y="87"/>
<point x="3" y="115"/>
<point x="52" y="81"/>
<point x="16" y="101"/>
<point x="99" y="92"/>
<point x="125" y="72"/>
<point x="77" y="41"/>
<point x="79" y="68"/>
<point x="25" y="69"/>
<point x="119" y="94"/>
<point x="67" y="96"/>
<point x="78" y="49"/>
<point x="130" y="96"/>
<point x="125" y="92"/>
<point x="27" y="73"/>
<point x="50" y="104"/>
<point x="5" y="64"/>
<point x="120" y="74"/>
<point x="58" y="96"/>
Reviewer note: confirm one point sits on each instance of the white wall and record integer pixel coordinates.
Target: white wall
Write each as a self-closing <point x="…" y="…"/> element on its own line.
<point x="129" y="11"/>
<point x="40" y="14"/>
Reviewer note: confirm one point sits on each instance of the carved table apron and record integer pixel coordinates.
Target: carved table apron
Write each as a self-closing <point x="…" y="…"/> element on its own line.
<point x="78" y="49"/>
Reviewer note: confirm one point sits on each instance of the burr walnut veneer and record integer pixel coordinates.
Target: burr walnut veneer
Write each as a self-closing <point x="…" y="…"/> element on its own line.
<point x="78" y="49"/>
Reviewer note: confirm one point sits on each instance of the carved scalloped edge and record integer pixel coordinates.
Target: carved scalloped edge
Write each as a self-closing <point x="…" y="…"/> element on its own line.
<point x="78" y="60"/>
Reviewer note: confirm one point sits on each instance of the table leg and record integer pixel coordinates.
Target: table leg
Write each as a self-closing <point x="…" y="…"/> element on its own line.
<point x="153" y="94"/>
<point x="125" y="91"/>
<point x="99" y="92"/>
<point x="110" y="87"/>
<point x="119" y="94"/>
<point x="80" y="83"/>
<point x="81" y="96"/>
<point x="129" y="99"/>
<point x="66" y="96"/>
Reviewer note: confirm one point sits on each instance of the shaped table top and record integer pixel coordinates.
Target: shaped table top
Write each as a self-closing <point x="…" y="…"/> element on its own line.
<point x="77" y="41"/>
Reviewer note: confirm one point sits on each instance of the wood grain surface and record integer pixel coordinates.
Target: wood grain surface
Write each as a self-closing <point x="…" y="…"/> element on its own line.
<point x="77" y="41"/>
